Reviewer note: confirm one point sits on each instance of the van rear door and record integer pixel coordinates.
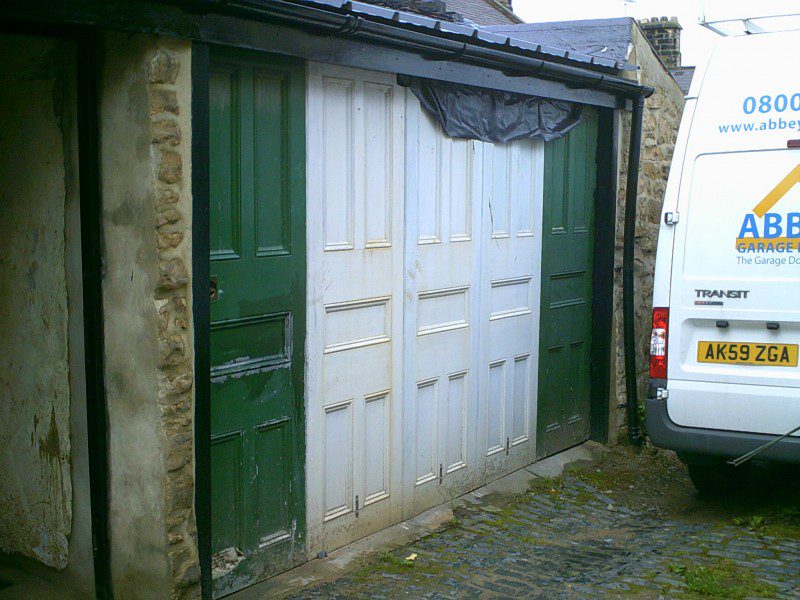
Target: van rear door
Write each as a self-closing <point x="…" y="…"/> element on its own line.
<point x="734" y="326"/>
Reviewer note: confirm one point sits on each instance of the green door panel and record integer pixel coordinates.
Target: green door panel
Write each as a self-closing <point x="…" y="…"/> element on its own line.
<point x="258" y="264"/>
<point x="566" y="317"/>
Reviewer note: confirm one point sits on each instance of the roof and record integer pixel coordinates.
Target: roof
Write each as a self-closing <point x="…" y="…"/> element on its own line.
<point x="683" y="77"/>
<point x="602" y="38"/>
<point x="483" y="12"/>
<point x="472" y="34"/>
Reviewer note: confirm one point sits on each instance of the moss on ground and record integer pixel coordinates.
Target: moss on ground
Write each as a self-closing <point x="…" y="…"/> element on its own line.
<point x="721" y="579"/>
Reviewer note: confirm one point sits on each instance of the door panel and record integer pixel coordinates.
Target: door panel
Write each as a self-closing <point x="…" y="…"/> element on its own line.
<point x="512" y="206"/>
<point x="355" y="303"/>
<point x="257" y="228"/>
<point x="568" y="240"/>
<point x="441" y="304"/>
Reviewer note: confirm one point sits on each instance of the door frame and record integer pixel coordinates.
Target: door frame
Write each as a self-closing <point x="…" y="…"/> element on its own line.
<point x="605" y="203"/>
<point x="201" y="308"/>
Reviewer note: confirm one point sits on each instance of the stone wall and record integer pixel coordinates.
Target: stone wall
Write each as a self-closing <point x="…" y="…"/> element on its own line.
<point x="659" y="129"/>
<point x="36" y="107"/>
<point x="145" y="172"/>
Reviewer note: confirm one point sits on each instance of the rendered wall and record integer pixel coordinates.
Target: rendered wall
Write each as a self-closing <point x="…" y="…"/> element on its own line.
<point x="36" y="484"/>
<point x="661" y="118"/>
<point x="145" y="172"/>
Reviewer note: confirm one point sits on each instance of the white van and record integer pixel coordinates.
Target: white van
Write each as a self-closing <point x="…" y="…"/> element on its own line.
<point x="724" y="374"/>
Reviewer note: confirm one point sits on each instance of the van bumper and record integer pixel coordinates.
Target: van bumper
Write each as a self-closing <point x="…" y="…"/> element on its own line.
<point x="665" y="433"/>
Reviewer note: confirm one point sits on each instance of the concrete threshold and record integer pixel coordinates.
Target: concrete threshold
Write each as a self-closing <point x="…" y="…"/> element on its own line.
<point x="341" y="561"/>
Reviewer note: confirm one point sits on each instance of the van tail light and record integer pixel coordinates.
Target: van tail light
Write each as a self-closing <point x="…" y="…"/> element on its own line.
<point x="658" y="343"/>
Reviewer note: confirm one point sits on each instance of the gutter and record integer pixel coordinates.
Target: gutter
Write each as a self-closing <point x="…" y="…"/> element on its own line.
<point x="628" y="331"/>
<point x="437" y="45"/>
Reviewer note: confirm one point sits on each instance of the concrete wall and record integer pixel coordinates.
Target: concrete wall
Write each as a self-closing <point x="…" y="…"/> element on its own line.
<point x="659" y="129"/>
<point x="36" y="486"/>
<point x="145" y="139"/>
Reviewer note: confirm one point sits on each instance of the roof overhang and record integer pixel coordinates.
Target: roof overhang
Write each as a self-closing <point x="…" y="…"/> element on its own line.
<point x="352" y="34"/>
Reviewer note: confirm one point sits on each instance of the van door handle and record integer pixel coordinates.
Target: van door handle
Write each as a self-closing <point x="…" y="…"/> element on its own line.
<point x="722" y="324"/>
<point x="772" y="325"/>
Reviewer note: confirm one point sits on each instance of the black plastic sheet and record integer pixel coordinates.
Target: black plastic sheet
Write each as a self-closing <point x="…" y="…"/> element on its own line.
<point x="495" y="116"/>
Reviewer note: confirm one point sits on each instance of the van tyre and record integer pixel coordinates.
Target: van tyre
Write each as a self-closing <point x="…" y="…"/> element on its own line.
<point x="716" y="478"/>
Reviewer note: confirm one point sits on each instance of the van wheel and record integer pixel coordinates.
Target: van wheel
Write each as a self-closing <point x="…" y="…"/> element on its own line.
<point x="715" y="478"/>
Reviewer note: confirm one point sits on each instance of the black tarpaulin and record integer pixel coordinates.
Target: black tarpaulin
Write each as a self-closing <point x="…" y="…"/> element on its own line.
<point x="495" y="116"/>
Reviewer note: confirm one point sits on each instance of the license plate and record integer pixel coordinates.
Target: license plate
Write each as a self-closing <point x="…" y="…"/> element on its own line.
<point x="747" y="353"/>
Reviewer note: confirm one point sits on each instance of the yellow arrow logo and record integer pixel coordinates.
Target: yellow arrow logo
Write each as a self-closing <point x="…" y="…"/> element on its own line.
<point x="778" y="192"/>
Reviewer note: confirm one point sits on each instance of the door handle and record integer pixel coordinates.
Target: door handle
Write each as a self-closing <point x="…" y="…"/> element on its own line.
<point x="722" y="324"/>
<point x="214" y="289"/>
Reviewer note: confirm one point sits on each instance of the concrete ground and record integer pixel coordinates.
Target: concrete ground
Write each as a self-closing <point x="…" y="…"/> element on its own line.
<point x="628" y="525"/>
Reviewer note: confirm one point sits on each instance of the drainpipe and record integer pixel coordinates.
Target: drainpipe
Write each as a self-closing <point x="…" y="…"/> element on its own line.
<point x="628" y="332"/>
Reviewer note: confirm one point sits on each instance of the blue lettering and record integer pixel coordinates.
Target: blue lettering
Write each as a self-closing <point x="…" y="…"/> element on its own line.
<point x="793" y="225"/>
<point x="772" y="225"/>
<point x="750" y="226"/>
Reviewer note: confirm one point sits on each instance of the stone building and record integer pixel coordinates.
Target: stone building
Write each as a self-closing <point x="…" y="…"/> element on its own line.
<point x="263" y="300"/>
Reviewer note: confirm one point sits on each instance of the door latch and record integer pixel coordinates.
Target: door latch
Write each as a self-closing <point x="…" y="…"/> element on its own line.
<point x="441" y="473"/>
<point x="671" y="218"/>
<point x="214" y="289"/>
<point x="508" y="446"/>
<point x="356" y="505"/>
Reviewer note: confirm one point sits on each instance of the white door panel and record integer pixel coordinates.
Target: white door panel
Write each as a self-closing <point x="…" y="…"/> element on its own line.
<point x="355" y="302"/>
<point x="442" y="304"/>
<point x="510" y="287"/>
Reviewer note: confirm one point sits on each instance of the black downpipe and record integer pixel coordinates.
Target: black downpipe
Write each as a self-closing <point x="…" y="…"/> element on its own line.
<point x="88" y="86"/>
<point x="628" y="334"/>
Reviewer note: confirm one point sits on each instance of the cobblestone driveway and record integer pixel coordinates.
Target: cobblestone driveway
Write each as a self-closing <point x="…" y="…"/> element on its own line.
<point x="632" y="528"/>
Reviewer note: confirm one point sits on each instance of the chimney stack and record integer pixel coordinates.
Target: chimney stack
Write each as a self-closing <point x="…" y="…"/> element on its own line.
<point x="665" y="36"/>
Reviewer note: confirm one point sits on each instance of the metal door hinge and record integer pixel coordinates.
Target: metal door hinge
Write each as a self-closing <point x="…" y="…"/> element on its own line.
<point x="356" y="505"/>
<point x="662" y="393"/>
<point x="508" y="446"/>
<point x="671" y="218"/>
<point x="441" y="473"/>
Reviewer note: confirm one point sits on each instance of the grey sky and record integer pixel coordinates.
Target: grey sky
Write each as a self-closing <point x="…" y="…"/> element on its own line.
<point x="695" y="40"/>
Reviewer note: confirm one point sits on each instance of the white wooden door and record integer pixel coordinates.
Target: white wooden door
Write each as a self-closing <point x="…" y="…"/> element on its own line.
<point x="442" y="293"/>
<point x="355" y="160"/>
<point x="510" y="281"/>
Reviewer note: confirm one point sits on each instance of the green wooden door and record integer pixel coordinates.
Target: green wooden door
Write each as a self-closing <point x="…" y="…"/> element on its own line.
<point x="566" y="318"/>
<point x="258" y="267"/>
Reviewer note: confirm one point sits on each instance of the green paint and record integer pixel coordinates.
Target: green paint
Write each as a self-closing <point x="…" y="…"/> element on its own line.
<point x="566" y="315"/>
<point x="258" y="321"/>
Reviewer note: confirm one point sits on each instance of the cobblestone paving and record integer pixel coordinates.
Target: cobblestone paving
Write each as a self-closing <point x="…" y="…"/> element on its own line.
<point x="567" y="539"/>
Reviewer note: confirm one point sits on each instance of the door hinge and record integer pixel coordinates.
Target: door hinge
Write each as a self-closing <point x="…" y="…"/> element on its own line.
<point x="662" y="393"/>
<point x="671" y="218"/>
<point x="508" y="446"/>
<point x="441" y="473"/>
<point x="356" y="505"/>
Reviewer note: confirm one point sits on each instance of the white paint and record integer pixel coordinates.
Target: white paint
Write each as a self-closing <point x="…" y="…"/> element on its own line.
<point x="423" y="307"/>
<point x="442" y="283"/>
<point x="355" y="134"/>
<point x="512" y="187"/>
